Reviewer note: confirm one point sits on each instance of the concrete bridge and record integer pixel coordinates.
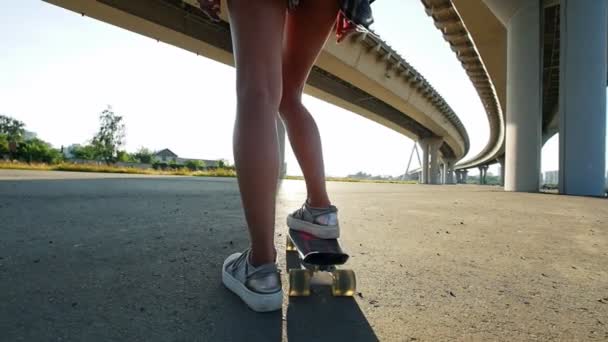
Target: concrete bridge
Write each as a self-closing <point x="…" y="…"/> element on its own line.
<point x="362" y="74"/>
<point x="539" y="68"/>
<point x="531" y="88"/>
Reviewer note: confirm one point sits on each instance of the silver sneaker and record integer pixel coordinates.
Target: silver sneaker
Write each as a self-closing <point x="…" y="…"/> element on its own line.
<point x="259" y="287"/>
<point x="320" y="222"/>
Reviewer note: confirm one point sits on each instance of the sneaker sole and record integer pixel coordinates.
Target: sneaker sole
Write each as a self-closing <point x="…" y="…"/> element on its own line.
<point x="256" y="301"/>
<point x="322" y="232"/>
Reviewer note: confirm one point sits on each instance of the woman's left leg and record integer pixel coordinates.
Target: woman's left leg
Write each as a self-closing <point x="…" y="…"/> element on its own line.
<point x="306" y="30"/>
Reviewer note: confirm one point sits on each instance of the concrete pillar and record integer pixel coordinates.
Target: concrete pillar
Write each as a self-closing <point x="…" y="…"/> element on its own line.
<point x="501" y="161"/>
<point x="524" y="100"/>
<point x="582" y="97"/>
<point x="450" y="176"/>
<point x="465" y="176"/>
<point x="281" y="141"/>
<point x="434" y="145"/>
<point x="448" y="171"/>
<point x="485" y="174"/>
<point x="424" y="168"/>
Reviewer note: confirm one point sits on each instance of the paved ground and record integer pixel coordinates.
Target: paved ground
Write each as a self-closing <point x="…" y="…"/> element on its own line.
<point x="87" y="257"/>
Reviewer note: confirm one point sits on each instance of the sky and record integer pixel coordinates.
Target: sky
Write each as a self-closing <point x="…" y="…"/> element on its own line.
<point x="59" y="70"/>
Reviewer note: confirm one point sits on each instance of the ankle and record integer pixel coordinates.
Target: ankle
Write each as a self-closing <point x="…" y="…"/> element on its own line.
<point x="259" y="259"/>
<point x="318" y="202"/>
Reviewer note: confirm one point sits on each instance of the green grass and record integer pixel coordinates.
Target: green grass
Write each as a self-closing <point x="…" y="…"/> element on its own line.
<point x="114" y="169"/>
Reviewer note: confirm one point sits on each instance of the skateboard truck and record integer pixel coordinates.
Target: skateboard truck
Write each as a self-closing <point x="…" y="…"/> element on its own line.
<point x="318" y="255"/>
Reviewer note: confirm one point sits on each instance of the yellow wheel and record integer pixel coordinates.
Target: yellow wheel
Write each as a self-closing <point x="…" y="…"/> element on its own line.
<point x="344" y="284"/>
<point x="289" y="246"/>
<point x="299" y="283"/>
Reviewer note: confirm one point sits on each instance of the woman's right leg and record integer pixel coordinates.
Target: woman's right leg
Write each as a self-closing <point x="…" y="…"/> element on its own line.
<point x="257" y="35"/>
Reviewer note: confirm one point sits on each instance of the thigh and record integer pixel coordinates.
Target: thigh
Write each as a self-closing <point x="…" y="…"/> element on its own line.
<point x="306" y="30"/>
<point x="257" y="37"/>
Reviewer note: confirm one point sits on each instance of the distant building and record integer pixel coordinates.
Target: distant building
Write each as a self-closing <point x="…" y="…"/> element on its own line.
<point x="165" y="156"/>
<point x="68" y="152"/>
<point x="168" y="156"/>
<point x="551" y="177"/>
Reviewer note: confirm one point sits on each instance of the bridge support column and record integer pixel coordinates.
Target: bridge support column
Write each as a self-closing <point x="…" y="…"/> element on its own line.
<point x="501" y="161"/>
<point x="483" y="174"/>
<point x="434" y="145"/>
<point x="524" y="101"/>
<point x="424" y="168"/>
<point x="281" y="141"/>
<point x="582" y="97"/>
<point x="465" y="176"/>
<point x="450" y="172"/>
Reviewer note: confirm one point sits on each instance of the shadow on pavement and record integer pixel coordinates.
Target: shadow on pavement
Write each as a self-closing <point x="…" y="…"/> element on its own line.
<point x="236" y="322"/>
<point x="323" y="317"/>
<point x="122" y="260"/>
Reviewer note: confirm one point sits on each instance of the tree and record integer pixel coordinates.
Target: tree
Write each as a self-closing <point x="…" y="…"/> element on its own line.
<point x="3" y="144"/>
<point x="12" y="128"/>
<point x="36" y="150"/>
<point x="144" y="155"/>
<point x="87" y="152"/>
<point x="173" y="164"/>
<point x="195" y="164"/>
<point x="110" y="137"/>
<point x="125" y="157"/>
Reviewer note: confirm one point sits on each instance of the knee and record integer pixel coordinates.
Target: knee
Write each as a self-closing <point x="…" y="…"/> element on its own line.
<point x="291" y="104"/>
<point x="262" y="95"/>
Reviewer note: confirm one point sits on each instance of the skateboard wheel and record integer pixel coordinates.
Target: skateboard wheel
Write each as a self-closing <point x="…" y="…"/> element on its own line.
<point x="299" y="283"/>
<point x="344" y="284"/>
<point x="289" y="245"/>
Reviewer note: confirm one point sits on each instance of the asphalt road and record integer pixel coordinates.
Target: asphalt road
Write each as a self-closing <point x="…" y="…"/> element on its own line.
<point x="88" y="257"/>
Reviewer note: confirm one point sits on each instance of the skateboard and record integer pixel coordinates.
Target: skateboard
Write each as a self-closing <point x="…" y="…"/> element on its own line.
<point x="317" y="255"/>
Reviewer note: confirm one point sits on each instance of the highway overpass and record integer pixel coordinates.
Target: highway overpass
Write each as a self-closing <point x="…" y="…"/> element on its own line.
<point x="362" y="74"/>
<point x="540" y="68"/>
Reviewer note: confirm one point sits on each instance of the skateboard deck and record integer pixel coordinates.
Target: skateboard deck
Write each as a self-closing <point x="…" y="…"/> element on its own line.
<point x="315" y="251"/>
<point x="317" y="255"/>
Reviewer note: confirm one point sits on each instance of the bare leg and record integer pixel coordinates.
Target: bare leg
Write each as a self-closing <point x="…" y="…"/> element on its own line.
<point x="257" y="35"/>
<point x="307" y="28"/>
